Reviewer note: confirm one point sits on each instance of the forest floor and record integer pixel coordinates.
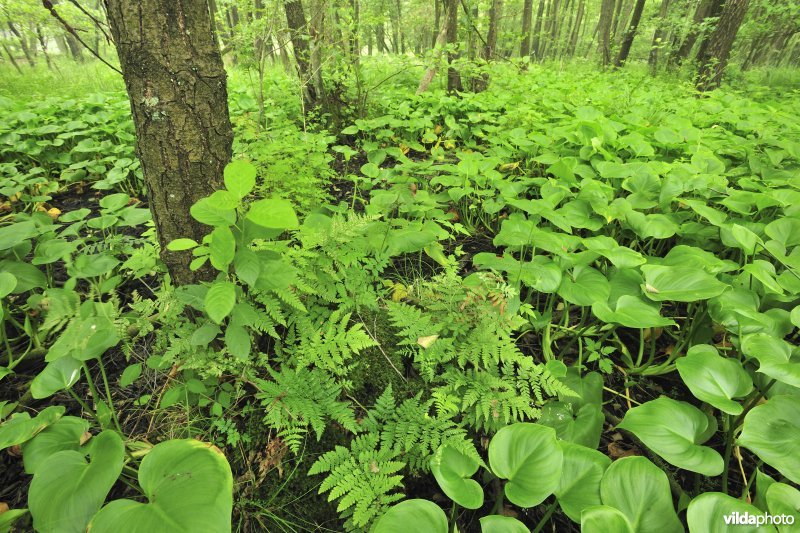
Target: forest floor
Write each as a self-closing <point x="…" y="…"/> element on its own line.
<point x="462" y="263"/>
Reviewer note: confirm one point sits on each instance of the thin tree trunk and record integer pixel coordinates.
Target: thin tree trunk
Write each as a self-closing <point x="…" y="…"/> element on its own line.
<point x="177" y="86"/>
<point x="22" y="44"/>
<point x="453" y="77"/>
<point x="11" y="58"/>
<point x="705" y="9"/>
<point x="658" y="34"/>
<point x="604" y="30"/>
<point x="527" y="15"/>
<point x="627" y="41"/>
<point x="489" y="48"/>
<point x="74" y="48"/>
<point x="438" y="47"/>
<point x="298" y="28"/>
<point x="43" y="44"/>
<point x="615" y="20"/>
<point x="573" y="42"/>
<point x="437" y="21"/>
<point x="717" y="52"/>
<point x="536" y="47"/>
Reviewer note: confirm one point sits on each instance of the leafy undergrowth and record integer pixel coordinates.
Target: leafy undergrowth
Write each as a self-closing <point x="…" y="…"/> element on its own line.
<point x="479" y="300"/>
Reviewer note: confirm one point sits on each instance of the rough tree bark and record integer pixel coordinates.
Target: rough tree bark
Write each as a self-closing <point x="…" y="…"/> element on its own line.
<point x="604" y="30"/>
<point x="718" y="49"/>
<point x="527" y="15"/>
<point x="177" y="87"/>
<point x="627" y="41"/>
<point x="298" y="29"/>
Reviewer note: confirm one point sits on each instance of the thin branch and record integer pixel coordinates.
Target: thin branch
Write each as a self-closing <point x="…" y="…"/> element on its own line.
<point x="49" y="6"/>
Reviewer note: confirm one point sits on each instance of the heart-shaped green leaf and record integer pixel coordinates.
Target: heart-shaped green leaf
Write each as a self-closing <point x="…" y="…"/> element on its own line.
<point x="61" y="374"/>
<point x="675" y="431"/>
<point x="529" y="457"/>
<point x="453" y="470"/>
<point x="7" y="283"/>
<point x="680" y="284"/>
<point x="579" y="487"/>
<point x="584" y="287"/>
<point x="66" y="491"/>
<point x="22" y="427"/>
<point x="775" y="357"/>
<point x="412" y="515"/>
<point x="712" y="511"/>
<point x="714" y="379"/>
<point x="9" y="517"/>
<point x="502" y="524"/>
<point x="783" y="499"/>
<point x="583" y="427"/>
<point x="640" y="490"/>
<point x="64" y="434"/>
<point x="631" y="312"/>
<point x="604" y="519"/>
<point x="772" y="431"/>
<point x="189" y="487"/>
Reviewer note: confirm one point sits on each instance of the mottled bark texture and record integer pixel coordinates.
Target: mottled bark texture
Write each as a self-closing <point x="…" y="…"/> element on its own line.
<point x="718" y="49"/>
<point x="604" y="29"/>
<point x="177" y="87"/>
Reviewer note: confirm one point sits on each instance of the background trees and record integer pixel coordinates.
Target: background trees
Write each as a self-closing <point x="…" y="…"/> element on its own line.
<point x="323" y="40"/>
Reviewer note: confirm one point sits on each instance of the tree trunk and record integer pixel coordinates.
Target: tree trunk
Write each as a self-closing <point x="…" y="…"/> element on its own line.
<point x="627" y="41"/>
<point x="11" y="58"/>
<point x="437" y="21"/>
<point x="22" y="44"/>
<point x="298" y="29"/>
<point x="615" y="19"/>
<point x="573" y="42"/>
<point x="718" y="50"/>
<point x="658" y="35"/>
<point x="453" y="77"/>
<point x="75" y="47"/>
<point x="537" y="30"/>
<point x="177" y="87"/>
<point x="489" y="48"/>
<point x="43" y="44"/>
<point x="604" y="30"/>
<point x="438" y="46"/>
<point x="706" y="9"/>
<point x="527" y="15"/>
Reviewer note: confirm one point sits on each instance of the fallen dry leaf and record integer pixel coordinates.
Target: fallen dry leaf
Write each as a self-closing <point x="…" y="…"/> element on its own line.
<point x="618" y="450"/>
<point x="426" y="342"/>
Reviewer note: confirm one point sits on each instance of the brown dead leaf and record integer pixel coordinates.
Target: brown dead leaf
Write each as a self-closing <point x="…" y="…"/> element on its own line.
<point x="85" y="437"/>
<point x="618" y="450"/>
<point x="15" y="451"/>
<point x="3" y="507"/>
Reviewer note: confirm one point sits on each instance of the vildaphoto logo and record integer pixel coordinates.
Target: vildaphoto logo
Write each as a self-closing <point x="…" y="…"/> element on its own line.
<point x="749" y="519"/>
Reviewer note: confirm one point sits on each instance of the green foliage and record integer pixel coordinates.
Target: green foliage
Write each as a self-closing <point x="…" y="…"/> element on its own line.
<point x="364" y="477"/>
<point x="297" y="399"/>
